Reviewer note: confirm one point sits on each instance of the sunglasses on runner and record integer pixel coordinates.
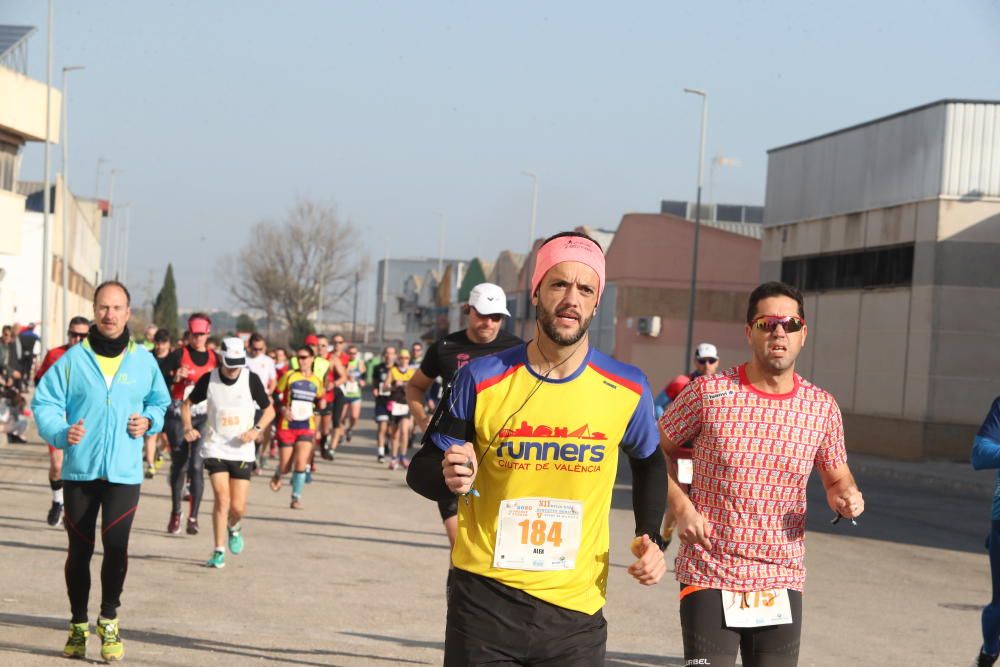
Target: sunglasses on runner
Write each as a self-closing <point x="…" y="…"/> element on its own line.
<point x="76" y="334"/>
<point x="493" y="317"/>
<point x="707" y="360"/>
<point x="768" y="323"/>
<point x="303" y="358"/>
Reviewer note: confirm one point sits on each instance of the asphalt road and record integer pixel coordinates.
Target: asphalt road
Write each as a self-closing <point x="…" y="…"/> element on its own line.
<point x="357" y="577"/>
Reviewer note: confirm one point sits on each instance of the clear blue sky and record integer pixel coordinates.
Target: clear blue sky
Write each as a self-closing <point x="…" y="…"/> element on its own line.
<point x="401" y="113"/>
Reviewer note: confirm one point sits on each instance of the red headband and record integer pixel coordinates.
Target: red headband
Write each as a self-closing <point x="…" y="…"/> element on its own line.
<point x="569" y="249"/>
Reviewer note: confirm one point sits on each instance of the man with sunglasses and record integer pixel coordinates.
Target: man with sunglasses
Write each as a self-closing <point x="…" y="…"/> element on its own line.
<point x="706" y="359"/>
<point x="157" y="443"/>
<point x="758" y="431"/>
<point x="186" y="365"/>
<point x="259" y="363"/>
<point x="482" y="336"/>
<point x="335" y="398"/>
<point x="79" y="327"/>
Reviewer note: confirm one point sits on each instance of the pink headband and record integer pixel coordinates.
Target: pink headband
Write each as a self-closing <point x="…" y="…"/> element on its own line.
<point x="569" y="249"/>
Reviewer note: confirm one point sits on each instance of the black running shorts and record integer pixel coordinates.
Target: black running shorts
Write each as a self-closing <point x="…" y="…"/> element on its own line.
<point x="236" y="469"/>
<point x="490" y="623"/>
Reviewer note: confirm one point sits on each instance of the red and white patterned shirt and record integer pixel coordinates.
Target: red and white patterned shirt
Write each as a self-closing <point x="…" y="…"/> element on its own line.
<point x="753" y="453"/>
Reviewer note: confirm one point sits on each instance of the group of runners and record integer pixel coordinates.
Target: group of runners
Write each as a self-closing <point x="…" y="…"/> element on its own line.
<point x="521" y="451"/>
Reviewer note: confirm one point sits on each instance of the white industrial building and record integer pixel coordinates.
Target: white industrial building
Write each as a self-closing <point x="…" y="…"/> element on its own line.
<point x="892" y="230"/>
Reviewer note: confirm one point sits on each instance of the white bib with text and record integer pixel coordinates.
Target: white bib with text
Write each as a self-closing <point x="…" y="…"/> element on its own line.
<point x="538" y="534"/>
<point x="756" y="609"/>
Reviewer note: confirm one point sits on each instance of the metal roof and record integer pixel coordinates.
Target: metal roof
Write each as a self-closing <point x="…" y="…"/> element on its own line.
<point x="882" y="119"/>
<point x="13" y="46"/>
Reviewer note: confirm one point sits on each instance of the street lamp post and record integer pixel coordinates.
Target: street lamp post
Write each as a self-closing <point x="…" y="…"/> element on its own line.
<point x="64" y="197"/>
<point x="46" y="195"/>
<point x="111" y="230"/>
<point x="531" y="242"/>
<point x="534" y="208"/>
<point x="697" y="228"/>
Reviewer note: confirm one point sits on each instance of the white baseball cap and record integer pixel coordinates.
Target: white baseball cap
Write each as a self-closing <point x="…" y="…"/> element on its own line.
<point x="488" y="299"/>
<point x="233" y="353"/>
<point x="706" y="351"/>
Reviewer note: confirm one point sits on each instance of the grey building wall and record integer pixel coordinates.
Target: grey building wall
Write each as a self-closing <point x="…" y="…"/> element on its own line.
<point x="914" y="367"/>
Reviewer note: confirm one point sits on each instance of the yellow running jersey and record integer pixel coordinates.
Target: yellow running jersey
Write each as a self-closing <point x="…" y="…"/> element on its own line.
<point x="548" y="457"/>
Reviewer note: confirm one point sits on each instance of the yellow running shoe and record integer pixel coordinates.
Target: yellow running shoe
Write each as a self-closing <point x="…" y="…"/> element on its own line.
<point x="76" y="644"/>
<point x="111" y="641"/>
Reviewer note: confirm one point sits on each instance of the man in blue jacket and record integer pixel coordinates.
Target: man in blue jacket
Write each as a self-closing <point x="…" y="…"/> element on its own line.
<point x="96" y="403"/>
<point x="986" y="454"/>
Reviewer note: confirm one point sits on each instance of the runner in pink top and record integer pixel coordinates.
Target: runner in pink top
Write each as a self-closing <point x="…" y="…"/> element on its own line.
<point x="758" y="431"/>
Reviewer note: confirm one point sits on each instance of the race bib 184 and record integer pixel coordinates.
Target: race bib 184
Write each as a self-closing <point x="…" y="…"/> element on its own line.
<point x="538" y="534"/>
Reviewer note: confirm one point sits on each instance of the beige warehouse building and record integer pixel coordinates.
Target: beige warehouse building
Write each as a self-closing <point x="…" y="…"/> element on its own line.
<point x="892" y="230"/>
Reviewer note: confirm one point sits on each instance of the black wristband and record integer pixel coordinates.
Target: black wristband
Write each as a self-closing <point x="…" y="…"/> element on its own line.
<point x="658" y="540"/>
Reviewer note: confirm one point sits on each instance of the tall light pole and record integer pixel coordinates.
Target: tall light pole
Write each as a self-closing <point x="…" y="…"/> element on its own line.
<point x="354" y="322"/>
<point x="46" y="195"/>
<point x="124" y="243"/>
<point x="110" y="239"/>
<point x="440" y="245"/>
<point x="64" y="196"/>
<point x="531" y="242"/>
<point x="697" y="228"/>
<point x="534" y="208"/>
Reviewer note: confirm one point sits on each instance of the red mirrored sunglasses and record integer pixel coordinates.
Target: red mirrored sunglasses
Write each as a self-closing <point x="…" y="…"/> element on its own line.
<point x="768" y="323"/>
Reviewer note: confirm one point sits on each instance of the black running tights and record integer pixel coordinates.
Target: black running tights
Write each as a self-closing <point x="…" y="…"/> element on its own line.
<point x="117" y="504"/>
<point x="185" y="461"/>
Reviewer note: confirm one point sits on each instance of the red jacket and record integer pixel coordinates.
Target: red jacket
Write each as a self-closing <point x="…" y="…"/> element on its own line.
<point x="50" y="358"/>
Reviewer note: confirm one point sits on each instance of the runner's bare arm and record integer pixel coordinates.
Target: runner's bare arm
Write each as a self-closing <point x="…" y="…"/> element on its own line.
<point x="190" y="433"/>
<point x="842" y="493"/>
<point x="416" y="389"/>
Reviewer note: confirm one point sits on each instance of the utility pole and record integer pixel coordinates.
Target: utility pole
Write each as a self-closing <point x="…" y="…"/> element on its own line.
<point x="354" y="323"/>
<point x="64" y="197"/>
<point x="688" y="352"/>
<point x="47" y="196"/>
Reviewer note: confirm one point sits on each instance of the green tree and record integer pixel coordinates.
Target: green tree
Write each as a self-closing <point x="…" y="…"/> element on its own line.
<point x="245" y="324"/>
<point x="165" y="304"/>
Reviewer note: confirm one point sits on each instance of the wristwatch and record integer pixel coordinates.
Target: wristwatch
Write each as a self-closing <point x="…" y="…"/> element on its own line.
<point x="256" y="427"/>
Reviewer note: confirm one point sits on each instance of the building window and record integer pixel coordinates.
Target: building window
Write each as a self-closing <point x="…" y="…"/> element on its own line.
<point x="8" y="165"/>
<point x="864" y="269"/>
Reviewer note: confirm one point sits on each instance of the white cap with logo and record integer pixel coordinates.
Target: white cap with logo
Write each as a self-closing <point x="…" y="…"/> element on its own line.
<point x="233" y="353"/>
<point x="706" y="351"/>
<point x="488" y="299"/>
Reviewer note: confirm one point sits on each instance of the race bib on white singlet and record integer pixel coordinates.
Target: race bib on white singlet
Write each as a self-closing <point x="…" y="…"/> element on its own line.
<point x="301" y="410"/>
<point x="230" y="424"/>
<point x="756" y="609"/>
<point x="538" y="534"/>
